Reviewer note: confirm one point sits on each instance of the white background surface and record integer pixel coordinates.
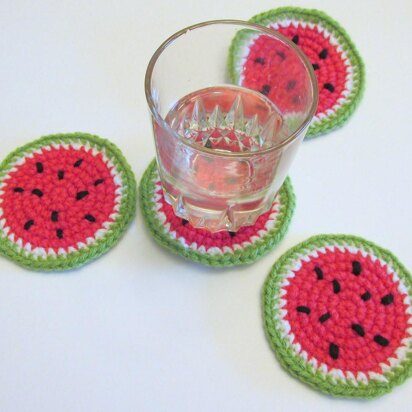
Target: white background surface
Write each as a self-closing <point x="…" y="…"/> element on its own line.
<point x="140" y="329"/>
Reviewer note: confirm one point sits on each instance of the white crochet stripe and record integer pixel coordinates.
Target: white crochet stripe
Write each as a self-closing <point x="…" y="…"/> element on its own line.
<point x="349" y="79"/>
<point x="269" y="225"/>
<point x="243" y="55"/>
<point x="285" y="329"/>
<point x="40" y="252"/>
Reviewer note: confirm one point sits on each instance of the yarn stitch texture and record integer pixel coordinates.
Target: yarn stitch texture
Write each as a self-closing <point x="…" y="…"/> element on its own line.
<point x="337" y="312"/>
<point x="254" y="62"/>
<point x="65" y="199"/>
<point x="213" y="249"/>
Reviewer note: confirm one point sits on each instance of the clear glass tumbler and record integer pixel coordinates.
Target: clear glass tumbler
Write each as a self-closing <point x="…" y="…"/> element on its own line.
<point x="224" y="150"/>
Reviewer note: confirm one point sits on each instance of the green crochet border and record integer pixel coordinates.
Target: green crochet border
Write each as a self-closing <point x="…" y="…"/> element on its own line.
<point x="338" y="118"/>
<point x="115" y="231"/>
<point x="295" y="364"/>
<point x="239" y="257"/>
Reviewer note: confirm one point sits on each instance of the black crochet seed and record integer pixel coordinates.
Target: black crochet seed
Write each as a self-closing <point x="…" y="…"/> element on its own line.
<point x="208" y="144"/>
<point x="303" y="309"/>
<point x="81" y="195"/>
<point x="232" y="234"/>
<point x="380" y="340"/>
<point x="356" y="268"/>
<point x="18" y="190"/>
<point x="329" y="86"/>
<point x="90" y="218"/>
<point x="295" y="39"/>
<point x="77" y="163"/>
<point x="334" y="351"/>
<point x="291" y="85"/>
<point x="358" y="329"/>
<point x="54" y="216"/>
<point x="37" y="192"/>
<point x="319" y="273"/>
<point x="184" y="222"/>
<point x="281" y="54"/>
<point x="28" y="224"/>
<point x="315" y="66"/>
<point x="260" y="60"/>
<point x="265" y="89"/>
<point x="387" y="299"/>
<point x="98" y="182"/>
<point x="324" y="317"/>
<point x="59" y="233"/>
<point x="366" y="296"/>
<point x="39" y="167"/>
<point x="323" y="54"/>
<point x="60" y="174"/>
<point x="336" y="286"/>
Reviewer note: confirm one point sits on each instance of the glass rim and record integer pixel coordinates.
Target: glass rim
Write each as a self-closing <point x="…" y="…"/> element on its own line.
<point x="159" y="118"/>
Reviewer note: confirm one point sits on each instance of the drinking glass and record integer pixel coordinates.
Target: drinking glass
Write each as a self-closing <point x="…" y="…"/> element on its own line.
<point x="223" y="150"/>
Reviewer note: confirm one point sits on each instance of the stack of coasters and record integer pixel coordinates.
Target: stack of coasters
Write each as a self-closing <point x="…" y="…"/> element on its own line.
<point x="64" y="199"/>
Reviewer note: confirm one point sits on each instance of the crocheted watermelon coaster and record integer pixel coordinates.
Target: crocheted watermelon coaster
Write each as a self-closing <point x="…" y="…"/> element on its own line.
<point x="64" y="199"/>
<point x="255" y="62"/>
<point x="214" y="249"/>
<point x="338" y="314"/>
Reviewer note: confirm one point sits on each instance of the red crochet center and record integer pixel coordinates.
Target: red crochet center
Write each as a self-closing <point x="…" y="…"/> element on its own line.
<point x="208" y="239"/>
<point x="274" y="70"/>
<point x="326" y="299"/>
<point x="58" y="198"/>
